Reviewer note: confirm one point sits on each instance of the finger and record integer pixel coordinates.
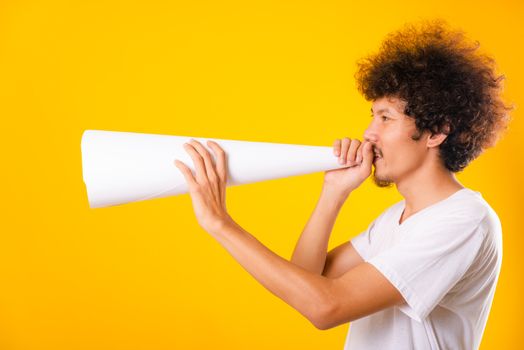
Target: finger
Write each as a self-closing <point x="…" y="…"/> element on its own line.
<point x="221" y="161"/>
<point x="188" y="175"/>
<point x="211" y="176"/>
<point x="344" y="150"/>
<point x="352" y="151"/>
<point x="209" y="164"/>
<point x="367" y="154"/>
<point x="359" y="152"/>
<point x="198" y="161"/>
<point x="336" y="147"/>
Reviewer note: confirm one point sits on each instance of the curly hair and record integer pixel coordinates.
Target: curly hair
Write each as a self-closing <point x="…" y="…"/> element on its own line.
<point x="447" y="86"/>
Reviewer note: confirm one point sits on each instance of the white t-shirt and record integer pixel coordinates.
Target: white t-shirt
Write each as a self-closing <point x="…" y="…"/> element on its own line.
<point x="445" y="261"/>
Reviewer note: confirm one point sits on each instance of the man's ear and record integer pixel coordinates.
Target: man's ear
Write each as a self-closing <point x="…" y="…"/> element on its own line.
<point x="434" y="140"/>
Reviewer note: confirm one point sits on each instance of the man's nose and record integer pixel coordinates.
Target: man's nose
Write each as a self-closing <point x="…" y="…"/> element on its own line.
<point x="370" y="134"/>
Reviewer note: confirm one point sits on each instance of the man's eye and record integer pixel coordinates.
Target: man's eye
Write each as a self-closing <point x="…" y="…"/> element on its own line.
<point x="384" y="118"/>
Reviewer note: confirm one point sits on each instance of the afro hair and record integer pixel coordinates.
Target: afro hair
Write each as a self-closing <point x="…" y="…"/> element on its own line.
<point x="447" y="85"/>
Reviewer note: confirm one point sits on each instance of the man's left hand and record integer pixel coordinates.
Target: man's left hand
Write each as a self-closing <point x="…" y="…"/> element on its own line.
<point x="208" y="186"/>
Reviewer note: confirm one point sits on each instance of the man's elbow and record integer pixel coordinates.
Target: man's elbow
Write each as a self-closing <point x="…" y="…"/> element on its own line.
<point x="321" y="326"/>
<point x="323" y="318"/>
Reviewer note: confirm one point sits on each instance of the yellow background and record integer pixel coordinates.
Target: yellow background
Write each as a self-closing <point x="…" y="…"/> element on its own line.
<point x="144" y="275"/>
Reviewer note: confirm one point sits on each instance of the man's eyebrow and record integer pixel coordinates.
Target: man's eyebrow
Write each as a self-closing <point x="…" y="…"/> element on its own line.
<point x="380" y="110"/>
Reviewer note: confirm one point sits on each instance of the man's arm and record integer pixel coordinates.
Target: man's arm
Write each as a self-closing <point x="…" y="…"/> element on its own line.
<point x="341" y="259"/>
<point x="324" y="301"/>
<point x="361" y="291"/>
<point x="311" y="249"/>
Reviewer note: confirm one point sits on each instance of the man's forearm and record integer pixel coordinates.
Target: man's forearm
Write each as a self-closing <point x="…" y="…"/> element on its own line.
<point x="305" y="291"/>
<point x="311" y="249"/>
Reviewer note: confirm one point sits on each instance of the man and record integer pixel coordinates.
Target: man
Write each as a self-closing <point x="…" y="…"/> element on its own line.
<point x="423" y="274"/>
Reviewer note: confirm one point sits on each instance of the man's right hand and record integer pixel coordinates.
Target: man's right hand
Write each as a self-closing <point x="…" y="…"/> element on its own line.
<point x="358" y="156"/>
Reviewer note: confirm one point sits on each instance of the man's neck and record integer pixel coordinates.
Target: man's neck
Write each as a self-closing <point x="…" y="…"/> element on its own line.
<point x="428" y="185"/>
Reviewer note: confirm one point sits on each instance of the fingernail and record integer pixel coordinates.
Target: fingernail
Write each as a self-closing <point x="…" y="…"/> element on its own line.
<point x="341" y="161"/>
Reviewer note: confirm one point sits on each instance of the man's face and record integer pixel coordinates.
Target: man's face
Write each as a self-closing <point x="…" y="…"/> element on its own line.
<point x="390" y="133"/>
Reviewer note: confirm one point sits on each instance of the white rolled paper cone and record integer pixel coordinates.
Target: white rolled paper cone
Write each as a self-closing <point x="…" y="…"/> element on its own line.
<point x="122" y="167"/>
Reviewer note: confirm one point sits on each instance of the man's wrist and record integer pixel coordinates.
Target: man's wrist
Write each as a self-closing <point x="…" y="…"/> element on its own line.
<point x="221" y="224"/>
<point x="335" y="197"/>
<point x="332" y="199"/>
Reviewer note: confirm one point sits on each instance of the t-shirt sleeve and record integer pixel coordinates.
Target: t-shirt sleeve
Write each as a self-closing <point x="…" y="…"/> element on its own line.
<point x="362" y="242"/>
<point x="428" y="262"/>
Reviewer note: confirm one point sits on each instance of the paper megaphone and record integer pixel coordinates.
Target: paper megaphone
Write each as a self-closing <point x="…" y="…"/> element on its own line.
<point x="122" y="167"/>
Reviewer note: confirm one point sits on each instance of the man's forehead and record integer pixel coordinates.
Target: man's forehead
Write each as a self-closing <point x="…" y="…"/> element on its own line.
<point x="391" y="104"/>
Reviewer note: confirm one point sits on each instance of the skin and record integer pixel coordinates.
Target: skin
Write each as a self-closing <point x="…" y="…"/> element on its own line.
<point x="349" y="288"/>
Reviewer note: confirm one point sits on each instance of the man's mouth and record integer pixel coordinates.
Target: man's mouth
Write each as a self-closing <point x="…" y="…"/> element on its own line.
<point x="377" y="154"/>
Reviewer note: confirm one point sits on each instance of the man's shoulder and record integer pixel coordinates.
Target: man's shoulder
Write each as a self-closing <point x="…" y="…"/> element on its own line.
<point x="464" y="205"/>
<point x="471" y="204"/>
<point x="467" y="207"/>
<point x="489" y="220"/>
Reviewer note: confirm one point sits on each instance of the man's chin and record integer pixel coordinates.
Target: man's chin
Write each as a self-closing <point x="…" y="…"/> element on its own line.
<point x="380" y="181"/>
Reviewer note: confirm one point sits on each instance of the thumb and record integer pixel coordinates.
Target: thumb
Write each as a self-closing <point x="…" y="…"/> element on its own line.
<point x="367" y="156"/>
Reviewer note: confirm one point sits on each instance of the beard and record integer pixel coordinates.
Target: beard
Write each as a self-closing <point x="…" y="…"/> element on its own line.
<point x="381" y="181"/>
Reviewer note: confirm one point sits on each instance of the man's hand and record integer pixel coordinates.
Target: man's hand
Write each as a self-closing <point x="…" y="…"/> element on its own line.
<point x="359" y="156"/>
<point x="208" y="187"/>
